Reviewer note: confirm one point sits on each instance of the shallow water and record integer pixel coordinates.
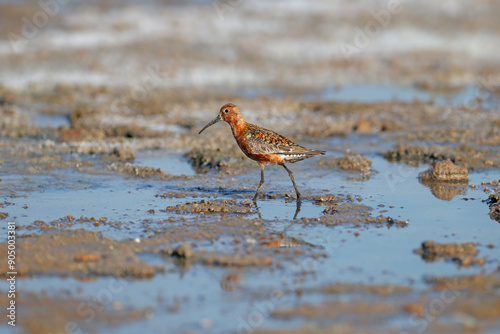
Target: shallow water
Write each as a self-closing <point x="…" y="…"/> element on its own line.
<point x="469" y="96"/>
<point x="51" y="121"/>
<point x="377" y="255"/>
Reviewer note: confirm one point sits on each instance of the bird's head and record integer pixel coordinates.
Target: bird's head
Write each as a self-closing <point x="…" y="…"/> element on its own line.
<point x="229" y="113"/>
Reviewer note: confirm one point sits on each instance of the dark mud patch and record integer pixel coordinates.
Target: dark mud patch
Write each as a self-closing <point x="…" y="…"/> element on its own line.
<point x="43" y="314"/>
<point x="464" y="155"/>
<point x="216" y="206"/>
<point x="79" y="254"/>
<point x="464" y="255"/>
<point x="357" y="215"/>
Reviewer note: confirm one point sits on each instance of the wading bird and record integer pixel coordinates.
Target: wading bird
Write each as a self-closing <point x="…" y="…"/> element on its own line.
<point x="262" y="145"/>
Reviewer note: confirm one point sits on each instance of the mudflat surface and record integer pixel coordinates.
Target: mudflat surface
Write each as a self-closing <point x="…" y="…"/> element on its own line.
<point x="127" y="220"/>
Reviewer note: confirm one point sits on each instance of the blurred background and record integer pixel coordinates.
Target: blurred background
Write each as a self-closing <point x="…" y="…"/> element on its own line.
<point x="284" y="47"/>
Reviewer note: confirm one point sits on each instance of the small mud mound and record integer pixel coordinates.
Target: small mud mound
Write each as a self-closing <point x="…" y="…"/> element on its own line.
<point x="445" y="171"/>
<point x="445" y="179"/>
<point x="138" y="171"/>
<point x="350" y="162"/>
<point x="204" y="159"/>
<point x="218" y="206"/>
<point x="463" y="254"/>
<point x="465" y="155"/>
<point x="494" y="203"/>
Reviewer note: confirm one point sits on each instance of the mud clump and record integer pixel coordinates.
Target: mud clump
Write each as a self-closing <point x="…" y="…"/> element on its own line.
<point x="445" y="171"/>
<point x="203" y="159"/>
<point x="363" y="126"/>
<point x="328" y="199"/>
<point x="356" y="162"/>
<point x="122" y="153"/>
<point x="184" y="251"/>
<point x="218" y="206"/>
<point x="445" y="179"/>
<point x="139" y="171"/>
<point x="350" y="162"/>
<point x="462" y="254"/>
<point x="465" y="155"/>
<point x="493" y="202"/>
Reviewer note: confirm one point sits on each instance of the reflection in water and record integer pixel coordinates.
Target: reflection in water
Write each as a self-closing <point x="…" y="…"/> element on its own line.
<point x="445" y="190"/>
<point x="297" y="210"/>
<point x="281" y="239"/>
<point x="230" y="280"/>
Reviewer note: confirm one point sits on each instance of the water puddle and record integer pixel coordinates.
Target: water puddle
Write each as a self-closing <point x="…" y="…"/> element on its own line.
<point x="51" y="121"/>
<point x="173" y="164"/>
<point x="374" y="93"/>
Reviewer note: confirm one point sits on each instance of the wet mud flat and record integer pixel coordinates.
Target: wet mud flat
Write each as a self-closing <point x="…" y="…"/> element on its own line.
<point x="129" y="220"/>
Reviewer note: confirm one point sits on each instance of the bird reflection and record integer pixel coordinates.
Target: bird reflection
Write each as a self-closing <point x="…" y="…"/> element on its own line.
<point x="297" y="209"/>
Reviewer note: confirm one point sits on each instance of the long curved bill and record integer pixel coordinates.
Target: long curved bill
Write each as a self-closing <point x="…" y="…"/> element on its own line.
<point x="212" y="122"/>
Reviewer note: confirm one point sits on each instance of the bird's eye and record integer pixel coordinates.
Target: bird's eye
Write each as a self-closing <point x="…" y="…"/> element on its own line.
<point x="226" y="110"/>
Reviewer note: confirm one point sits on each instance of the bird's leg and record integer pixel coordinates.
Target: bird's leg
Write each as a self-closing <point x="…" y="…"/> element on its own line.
<point x="261" y="182"/>
<point x="299" y="203"/>
<point x="293" y="181"/>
